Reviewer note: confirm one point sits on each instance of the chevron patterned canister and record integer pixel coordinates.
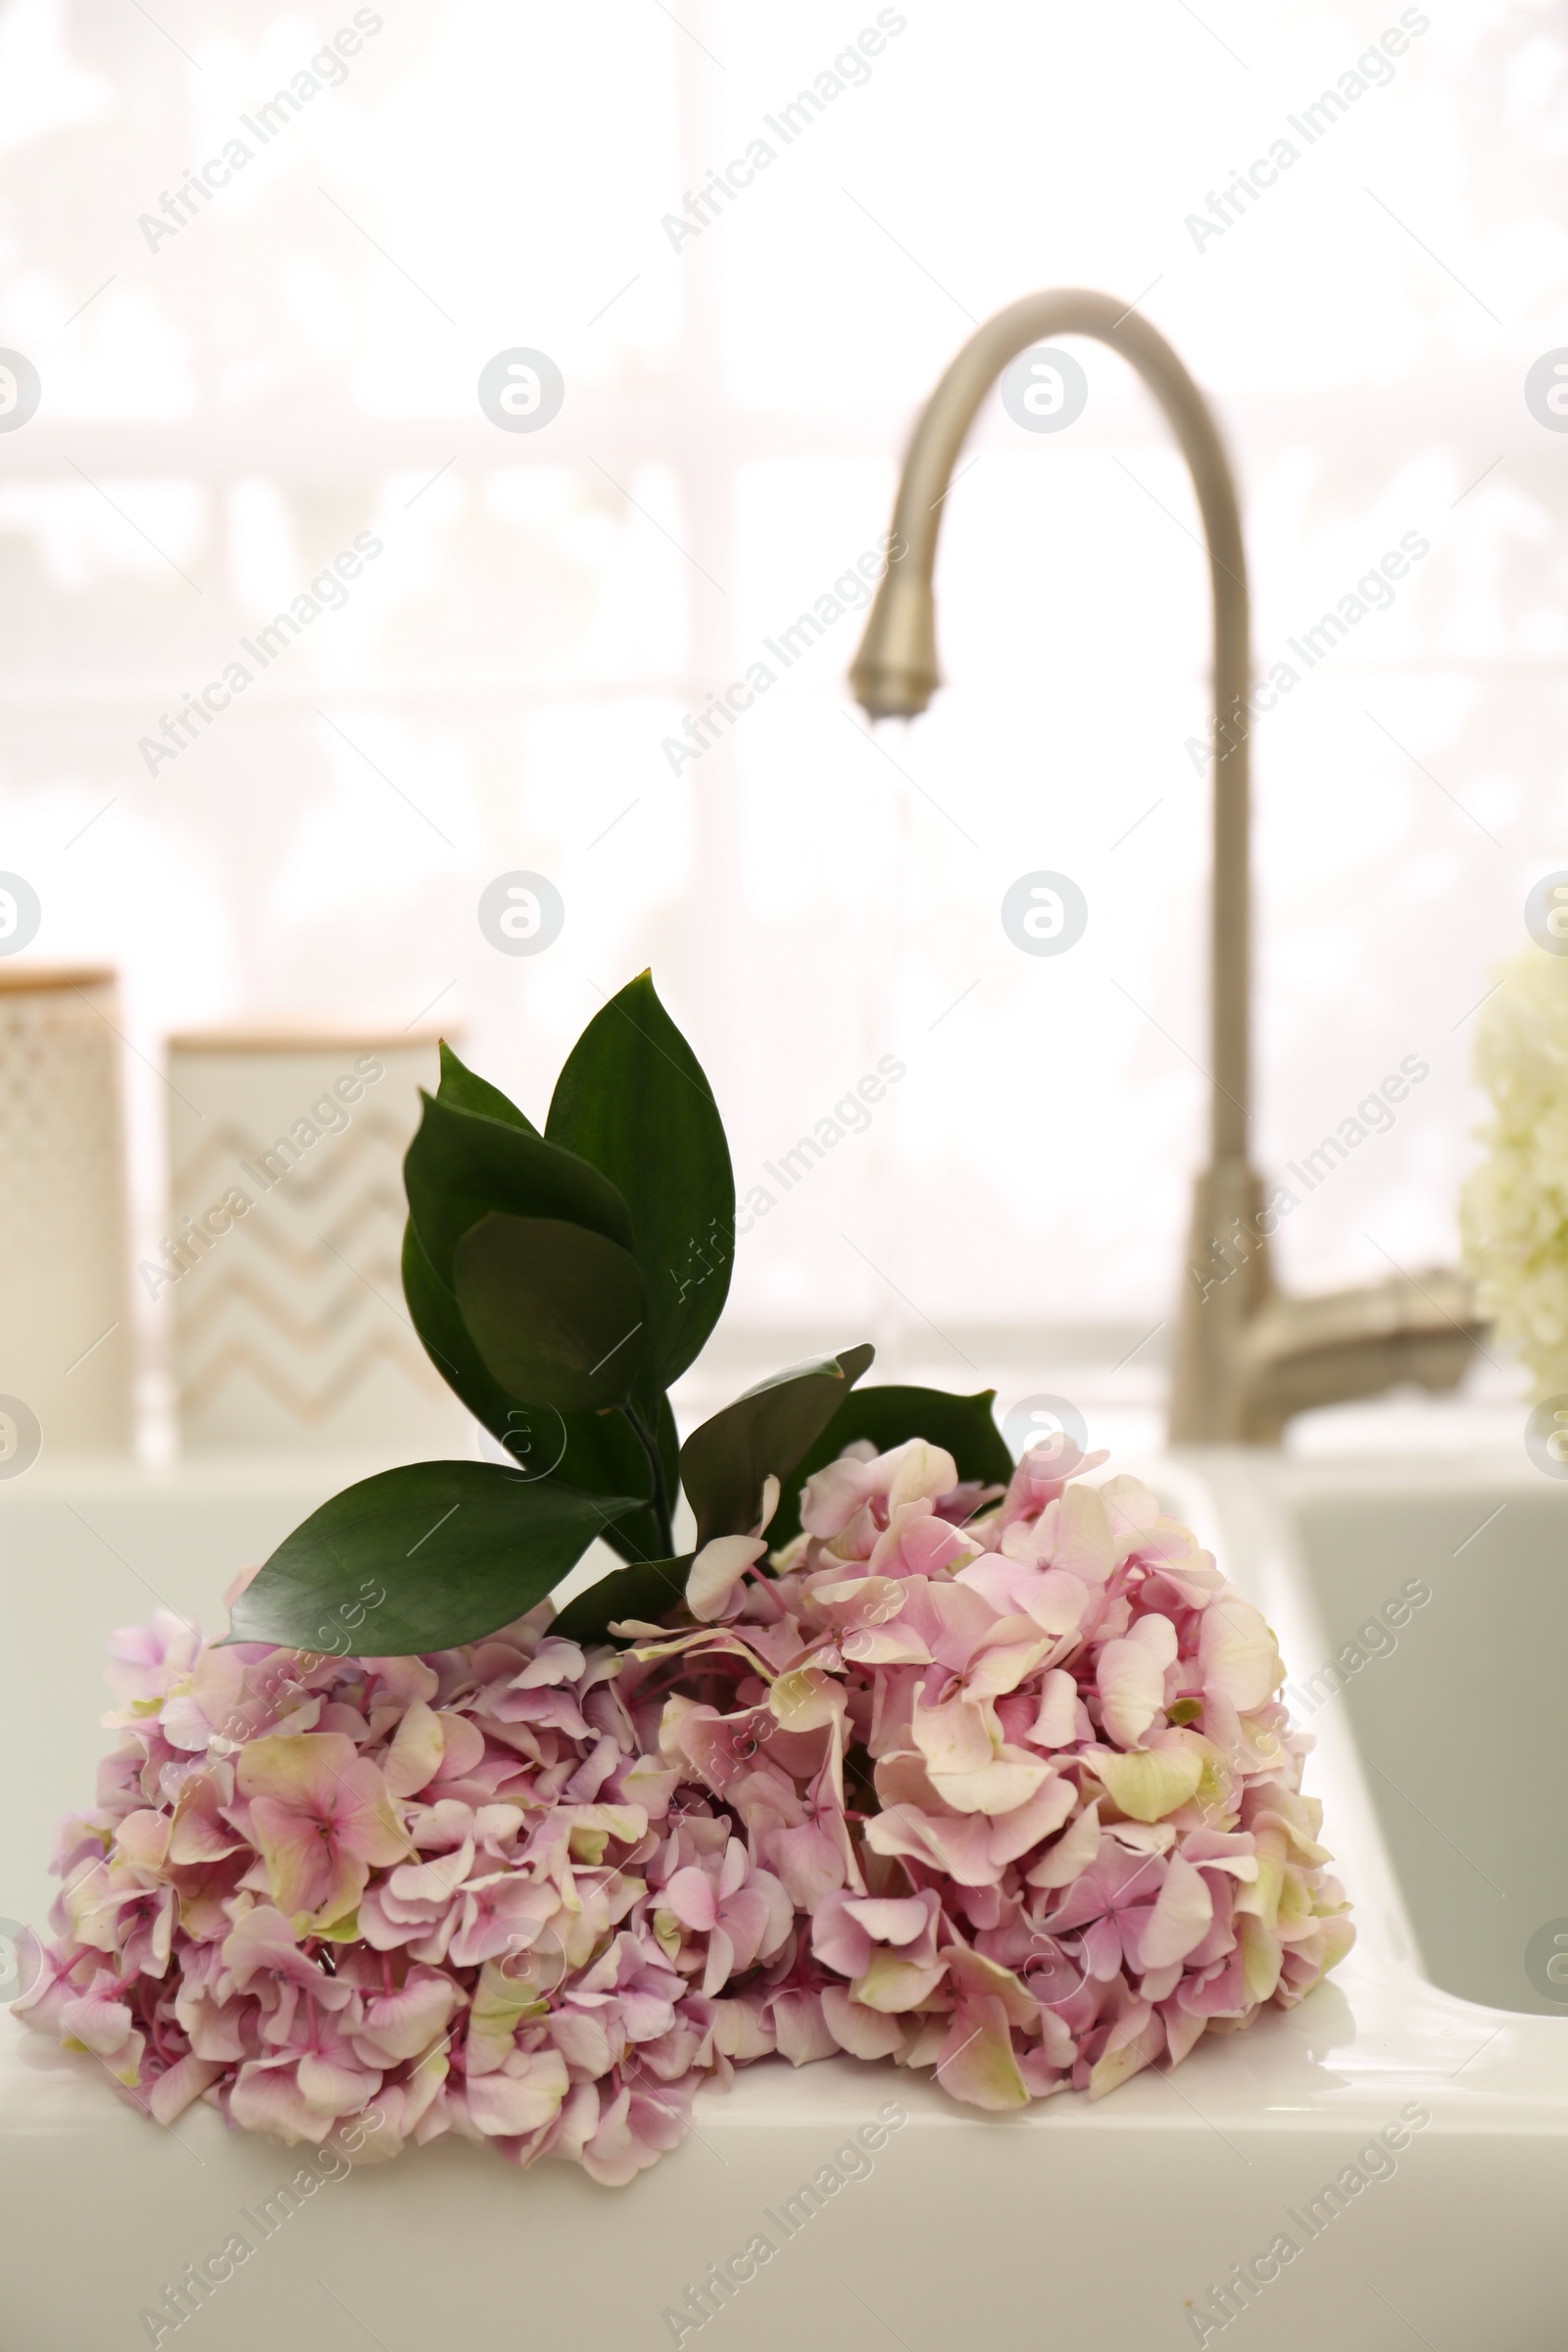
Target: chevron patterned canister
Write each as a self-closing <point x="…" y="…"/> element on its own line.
<point x="281" y="1260"/>
<point x="64" y="1323"/>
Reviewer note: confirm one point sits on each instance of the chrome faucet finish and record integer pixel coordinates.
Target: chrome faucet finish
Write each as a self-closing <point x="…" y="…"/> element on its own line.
<point x="1247" y="1356"/>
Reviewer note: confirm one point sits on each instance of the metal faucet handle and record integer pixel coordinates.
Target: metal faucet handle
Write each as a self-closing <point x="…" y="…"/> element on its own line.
<point x="1298" y="1353"/>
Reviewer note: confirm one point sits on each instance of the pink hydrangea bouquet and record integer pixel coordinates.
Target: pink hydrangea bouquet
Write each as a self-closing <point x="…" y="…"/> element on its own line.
<point x="913" y="1755"/>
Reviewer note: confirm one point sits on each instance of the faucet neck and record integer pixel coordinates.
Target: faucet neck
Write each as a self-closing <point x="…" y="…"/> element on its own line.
<point x="898" y="647"/>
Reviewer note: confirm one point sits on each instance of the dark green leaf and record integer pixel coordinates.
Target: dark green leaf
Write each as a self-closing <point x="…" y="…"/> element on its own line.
<point x="453" y="1549"/>
<point x="636" y="1535"/>
<point x="633" y="1100"/>
<point x="602" y="1454"/>
<point x="463" y="1164"/>
<point x="649" y="1590"/>
<point x="603" y="1457"/>
<point x="669" y="1441"/>
<point x="556" y="1312"/>
<point x="724" y="1464"/>
<point x="888" y="1416"/>
<point x="465" y="1091"/>
<point x="433" y="1313"/>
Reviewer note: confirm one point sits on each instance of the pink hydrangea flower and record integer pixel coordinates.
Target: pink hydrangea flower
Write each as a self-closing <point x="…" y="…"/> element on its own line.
<point x="1047" y="1810"/>
<point x="1005" y="1793"/>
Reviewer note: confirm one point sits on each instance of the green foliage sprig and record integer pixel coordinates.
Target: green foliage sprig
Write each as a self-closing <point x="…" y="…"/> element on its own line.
<point x="561" y="1283"/>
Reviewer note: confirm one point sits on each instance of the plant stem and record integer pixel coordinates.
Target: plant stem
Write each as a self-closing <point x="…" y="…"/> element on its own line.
<point x="660" y="1502"/>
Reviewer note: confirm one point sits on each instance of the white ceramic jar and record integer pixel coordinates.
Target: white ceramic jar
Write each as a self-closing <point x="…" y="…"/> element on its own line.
<point x="281" y="1260"/>
<point x="65" y="1341"/>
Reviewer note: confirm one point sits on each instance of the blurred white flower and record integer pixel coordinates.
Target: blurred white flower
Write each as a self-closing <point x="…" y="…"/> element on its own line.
<point x="1514" y="1208"/>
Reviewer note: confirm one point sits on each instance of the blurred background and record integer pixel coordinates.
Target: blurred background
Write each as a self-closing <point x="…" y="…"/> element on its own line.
<point x="253" y="363"/>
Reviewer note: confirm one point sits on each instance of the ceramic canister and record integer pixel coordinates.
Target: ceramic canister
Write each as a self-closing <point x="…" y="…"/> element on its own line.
<point x="281" y="1260"/>
<point x="65" y="1342"/>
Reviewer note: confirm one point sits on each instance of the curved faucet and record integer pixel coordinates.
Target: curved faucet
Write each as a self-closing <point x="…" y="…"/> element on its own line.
<point x="1246" y="1356"/>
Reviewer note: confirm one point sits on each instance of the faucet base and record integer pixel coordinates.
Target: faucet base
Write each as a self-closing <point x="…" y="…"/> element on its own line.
<point x="1226" y="1281"/>
<point x="1247" y="1356"/>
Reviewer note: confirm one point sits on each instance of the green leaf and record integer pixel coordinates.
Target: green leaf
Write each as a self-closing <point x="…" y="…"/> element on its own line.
<point x="556" y="1312"/>
<point x="633" y="1100"/>
<point x="667" y="1438"/>
<point x="462" y="1164"/>
<point x="888" y="1416"/>
<point x="433" y="1313"/>
<point x="464" y="1091"/>
<point x="455" y="1548"/>
<point x="724" y="1464"/>
<point x="602" y="1454"/>
<point x="636" y="1535"/>
<point x="649" y="1590"/>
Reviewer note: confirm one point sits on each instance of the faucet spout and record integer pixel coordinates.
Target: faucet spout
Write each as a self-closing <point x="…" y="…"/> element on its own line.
<point x="1222" y="1387"/>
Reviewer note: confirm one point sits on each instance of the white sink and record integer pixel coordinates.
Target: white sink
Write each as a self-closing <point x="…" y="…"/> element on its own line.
<point x="1476" y="1836"/>
<point x="1424" y="1619"/>
<point x="1108" y="2226"/>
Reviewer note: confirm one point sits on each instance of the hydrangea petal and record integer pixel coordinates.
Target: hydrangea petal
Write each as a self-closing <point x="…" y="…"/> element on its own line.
<point x="1148" y="1783"/>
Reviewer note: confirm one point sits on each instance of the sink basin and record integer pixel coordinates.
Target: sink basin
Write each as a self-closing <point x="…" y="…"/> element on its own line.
<point x="1405" y="2129"/>
<point x="1476" y="1581"/>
